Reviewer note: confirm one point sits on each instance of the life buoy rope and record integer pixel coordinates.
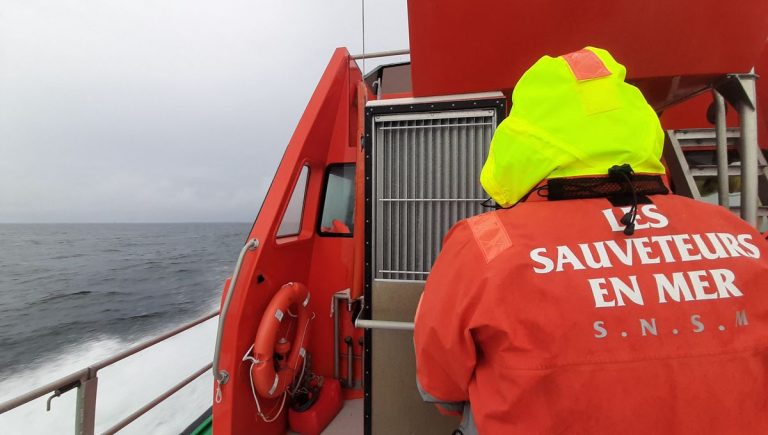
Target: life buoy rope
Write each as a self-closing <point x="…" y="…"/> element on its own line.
<point x="267" y="381"/>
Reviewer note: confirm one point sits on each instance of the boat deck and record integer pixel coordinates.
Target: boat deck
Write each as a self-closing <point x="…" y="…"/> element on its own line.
<point x="349" y="421"/>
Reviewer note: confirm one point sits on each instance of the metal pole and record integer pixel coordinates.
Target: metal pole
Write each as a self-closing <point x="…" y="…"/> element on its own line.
<point x="748" y="150"/>
<point x="42" y="391"/>
<point x="723" y="192"/>
<point x="384" y="324"/>
<point x="381" y="54"/>
<point x="141" y="411"/>
<point x="335" y="308"/>
<point x="85" y="410"/>
<point x="350" y="362"/>
<point x="338" y="296"/>
<point x="141" y="346"/>
<point x="86" y="382"/>
<point x="221" y="376"/>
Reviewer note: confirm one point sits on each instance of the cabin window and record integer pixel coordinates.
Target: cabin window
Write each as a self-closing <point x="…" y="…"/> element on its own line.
<point x="291" y="223"/>
<point x="337" y="217"/>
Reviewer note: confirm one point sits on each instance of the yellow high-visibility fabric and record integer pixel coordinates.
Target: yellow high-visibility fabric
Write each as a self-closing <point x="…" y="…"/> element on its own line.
<point x="562" y="127"/>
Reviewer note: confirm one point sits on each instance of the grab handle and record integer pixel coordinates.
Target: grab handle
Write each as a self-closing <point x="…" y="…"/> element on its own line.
<point x="221" y="376"/>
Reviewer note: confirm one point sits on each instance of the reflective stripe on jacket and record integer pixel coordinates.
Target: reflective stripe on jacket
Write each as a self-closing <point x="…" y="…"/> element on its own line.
<point x="548" y="319"/>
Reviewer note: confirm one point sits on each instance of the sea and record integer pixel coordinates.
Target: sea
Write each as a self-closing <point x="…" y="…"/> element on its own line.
<point x="74" y="294"/>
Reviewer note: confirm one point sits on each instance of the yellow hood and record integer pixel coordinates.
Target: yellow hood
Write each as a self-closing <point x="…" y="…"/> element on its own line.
<point x="571" y="116"/>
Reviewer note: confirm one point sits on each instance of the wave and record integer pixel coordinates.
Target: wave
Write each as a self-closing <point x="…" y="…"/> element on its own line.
<point x="122" y="387"/>
<point x="67" y="256"/>
<point x="101" y="294"/>
<point x="64" y="296"/>
<point x="143" y="316"/>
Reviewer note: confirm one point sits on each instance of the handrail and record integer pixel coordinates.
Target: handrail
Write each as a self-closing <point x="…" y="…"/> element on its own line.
<point x="141" y="346"/>
<point x="85" y="380"/>
<point x="72" y="378"/>
<point x="384" y="324"/>
<point x="381" y="54"/>
<point x="221" y="376"/>
<point x="143" y="410"/>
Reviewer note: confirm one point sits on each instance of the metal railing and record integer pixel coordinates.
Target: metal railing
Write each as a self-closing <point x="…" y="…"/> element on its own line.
<point x="383" y="324"/>
<point x="86" y="381"/>
<point x="221" y="376"/>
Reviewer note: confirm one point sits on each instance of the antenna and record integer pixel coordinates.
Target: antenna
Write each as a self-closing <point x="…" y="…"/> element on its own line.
<point x="363" y="21"/>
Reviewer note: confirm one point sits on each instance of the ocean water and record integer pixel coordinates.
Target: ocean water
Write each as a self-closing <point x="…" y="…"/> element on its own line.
<point x="72" y="294"/>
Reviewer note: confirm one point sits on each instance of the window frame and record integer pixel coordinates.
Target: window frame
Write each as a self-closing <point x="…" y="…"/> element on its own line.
<point x="319" y="223"/>
<point x="283" y="237"/>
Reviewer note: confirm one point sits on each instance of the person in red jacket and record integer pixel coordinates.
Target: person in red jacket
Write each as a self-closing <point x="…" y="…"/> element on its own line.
<point x="593" y="302"/>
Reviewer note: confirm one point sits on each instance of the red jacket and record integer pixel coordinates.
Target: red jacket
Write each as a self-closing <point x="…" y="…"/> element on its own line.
<point x="550" y="320"/>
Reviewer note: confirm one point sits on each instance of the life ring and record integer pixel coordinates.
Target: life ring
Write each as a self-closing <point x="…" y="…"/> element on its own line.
<point x="271" y="379"/>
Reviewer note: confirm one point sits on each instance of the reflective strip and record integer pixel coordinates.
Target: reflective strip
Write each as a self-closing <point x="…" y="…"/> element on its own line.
<point x="468" y="426"/>
<point x="274" y="385"/>
<point x="306" y="301"/>
<point x="585" y="65"/>
<point x="490" y="234"/>
<point x="449" y="406"/>
<point x="279" y="315"/>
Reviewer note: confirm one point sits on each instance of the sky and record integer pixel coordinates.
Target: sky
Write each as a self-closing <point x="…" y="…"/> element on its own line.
<point x="163" y="110"/>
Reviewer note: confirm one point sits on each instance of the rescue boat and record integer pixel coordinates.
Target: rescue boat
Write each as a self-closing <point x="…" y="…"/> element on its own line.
<point x="382" y="165"/>
<point x="315" y="322"/>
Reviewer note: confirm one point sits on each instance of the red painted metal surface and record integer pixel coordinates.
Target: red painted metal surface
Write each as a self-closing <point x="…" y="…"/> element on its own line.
<point x="762" y="98"/>
<point x="322" y="137"/>
<point x="693" y="114"/>
<point x="462" y="46"/>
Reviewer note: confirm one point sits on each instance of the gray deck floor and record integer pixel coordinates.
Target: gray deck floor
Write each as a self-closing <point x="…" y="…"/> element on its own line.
<point x="348" y="422"/>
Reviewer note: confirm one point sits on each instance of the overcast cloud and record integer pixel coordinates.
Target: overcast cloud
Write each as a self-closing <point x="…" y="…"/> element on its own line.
<point x="165" y="110"/>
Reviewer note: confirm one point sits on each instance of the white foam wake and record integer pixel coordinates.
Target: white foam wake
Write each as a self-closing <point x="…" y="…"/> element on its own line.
<point x="123" y="387"/>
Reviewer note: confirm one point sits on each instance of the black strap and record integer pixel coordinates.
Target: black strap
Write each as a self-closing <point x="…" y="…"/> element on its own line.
<point x="558" y="189"/>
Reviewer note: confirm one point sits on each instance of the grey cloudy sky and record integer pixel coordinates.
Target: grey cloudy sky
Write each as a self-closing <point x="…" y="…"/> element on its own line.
<point x="163" y="110"/>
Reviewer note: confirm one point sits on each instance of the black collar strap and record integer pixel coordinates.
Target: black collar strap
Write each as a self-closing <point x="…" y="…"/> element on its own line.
<point x="602" y="187"/>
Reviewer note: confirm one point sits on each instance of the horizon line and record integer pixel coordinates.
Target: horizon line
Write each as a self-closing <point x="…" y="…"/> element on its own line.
<point x="126" y="223"/>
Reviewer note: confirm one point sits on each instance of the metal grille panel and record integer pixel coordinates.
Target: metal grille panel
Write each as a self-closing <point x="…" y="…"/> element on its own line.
<point x="426" y="178"/>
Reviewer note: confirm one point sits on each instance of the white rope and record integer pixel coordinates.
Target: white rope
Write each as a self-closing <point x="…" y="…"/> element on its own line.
<point x="254" y="361"/>
<point x="301" y="343"/>
<point x="256" y="398"/>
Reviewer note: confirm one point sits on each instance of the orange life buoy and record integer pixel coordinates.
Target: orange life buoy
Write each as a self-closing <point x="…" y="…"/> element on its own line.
<point x="268" y="381"/>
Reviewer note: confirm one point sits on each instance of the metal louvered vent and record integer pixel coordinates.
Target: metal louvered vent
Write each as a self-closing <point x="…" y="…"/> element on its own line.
<point x="426" y="171"/>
